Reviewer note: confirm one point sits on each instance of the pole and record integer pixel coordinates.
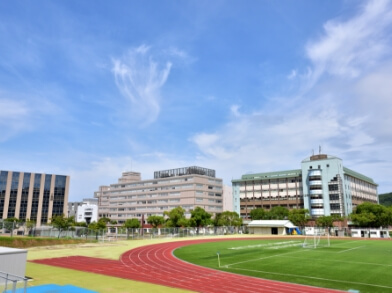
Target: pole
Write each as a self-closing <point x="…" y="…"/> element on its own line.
<point x="218" y="259"/>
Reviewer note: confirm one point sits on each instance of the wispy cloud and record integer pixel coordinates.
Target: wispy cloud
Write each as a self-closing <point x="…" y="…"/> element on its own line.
<point x="21" y="113"/>
<point x="344" y="107"/>
<point x="349" y="48"/>
<point x="140" y="78"/>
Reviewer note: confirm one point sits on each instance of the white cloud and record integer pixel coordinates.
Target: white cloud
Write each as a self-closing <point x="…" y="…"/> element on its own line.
<point x="140" y="79"/>
<point x="345" y="107"/>
<point x="235" y="110"/>
<point x="105" y="171"/>
<point x="351" y="47"/>
<point x="22" y="113"/>
<point x="14" y="116"/>
<point x="292" y="74"/>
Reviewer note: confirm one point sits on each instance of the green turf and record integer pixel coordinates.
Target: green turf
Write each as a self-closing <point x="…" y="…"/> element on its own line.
<point x="364" y="265"/>
<point x="44" y="274"/>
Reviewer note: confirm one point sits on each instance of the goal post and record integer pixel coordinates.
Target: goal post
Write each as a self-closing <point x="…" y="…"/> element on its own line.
<point x="319" y="237"/>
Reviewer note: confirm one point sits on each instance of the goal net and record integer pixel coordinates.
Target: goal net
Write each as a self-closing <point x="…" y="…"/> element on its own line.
<point x="318" y="237"/>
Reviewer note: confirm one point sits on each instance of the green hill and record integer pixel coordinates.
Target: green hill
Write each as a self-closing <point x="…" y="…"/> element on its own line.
<point x="385" y="199"/>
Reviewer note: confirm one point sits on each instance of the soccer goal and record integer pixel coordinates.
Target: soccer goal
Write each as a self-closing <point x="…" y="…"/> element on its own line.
<point x="319" y="238"/>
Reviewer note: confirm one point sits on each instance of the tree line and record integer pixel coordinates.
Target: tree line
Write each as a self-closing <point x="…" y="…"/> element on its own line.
<point x="364" y="215"/>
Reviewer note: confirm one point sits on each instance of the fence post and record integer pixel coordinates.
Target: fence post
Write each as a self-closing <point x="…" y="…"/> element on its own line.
<point x="14" y="286"/>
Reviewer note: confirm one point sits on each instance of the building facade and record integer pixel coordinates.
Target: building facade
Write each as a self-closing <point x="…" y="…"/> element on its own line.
<point x="187" y="187"/>
<point x="33" y="196"/>
<point x="73" y="206"/>
<point x="87" y="213"/>
<point x="322" y="185"/>
<point x="267" y="190"/>
<point x="84" y="211"/>
<point x="228" y="203"/>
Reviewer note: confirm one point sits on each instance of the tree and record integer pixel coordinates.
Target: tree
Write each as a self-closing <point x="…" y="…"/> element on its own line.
<point x="155" y="221"/>
<point x="131" y="224"/>
<point x="371" y="215"/>
<point x="80" y="224"/>
<point x="278" y="213"/>
<point x="175" y="218"/>
<point x="106" y="221"/>
<point x="29" y="224"/>
<point x="11" y="224"/>
<point x="257" y="214"/>
<point x="228" y="219"/>
<point x="62" y="223"/>
<point x="200" y="218"/>
<point x="385" y="199"/>
<point x="98" y="226"/>
<point x="299" y="217"/>
<point x="184" y="222"/>
<point x="325" y="221"/>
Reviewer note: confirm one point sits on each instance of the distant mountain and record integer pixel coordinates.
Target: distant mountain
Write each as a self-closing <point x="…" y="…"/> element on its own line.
<point x="385" y="199"/>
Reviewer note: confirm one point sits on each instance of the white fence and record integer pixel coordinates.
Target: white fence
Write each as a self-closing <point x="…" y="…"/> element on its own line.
<point x="10" y="283"/>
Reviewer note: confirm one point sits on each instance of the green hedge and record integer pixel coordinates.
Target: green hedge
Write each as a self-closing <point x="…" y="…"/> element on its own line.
<point x="24" y="242"/>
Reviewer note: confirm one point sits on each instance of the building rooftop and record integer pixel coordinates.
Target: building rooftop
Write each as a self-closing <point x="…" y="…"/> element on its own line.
<point x="270" y="175"/>
<point x="358" y="175"/>
<point x="319" y="157"/>
<point x="184" y="171"/>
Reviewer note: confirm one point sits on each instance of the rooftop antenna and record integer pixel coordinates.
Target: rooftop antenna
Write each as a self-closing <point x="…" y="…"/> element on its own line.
<point x="312" y="152"/>
<point x="319" y="149"/>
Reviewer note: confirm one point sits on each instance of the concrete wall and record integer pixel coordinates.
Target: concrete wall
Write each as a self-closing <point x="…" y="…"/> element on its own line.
<point x="13" y="261"/>
<point x="266" y="230"/>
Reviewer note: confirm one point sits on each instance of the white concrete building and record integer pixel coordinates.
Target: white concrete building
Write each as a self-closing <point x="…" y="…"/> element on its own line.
<point x="87" y="213"/>
<point x="187" y="187"/>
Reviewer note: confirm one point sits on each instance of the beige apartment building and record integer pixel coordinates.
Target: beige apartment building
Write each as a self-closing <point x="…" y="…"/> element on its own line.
<point x="188" y="187"/>
<point x="33" y="196"/>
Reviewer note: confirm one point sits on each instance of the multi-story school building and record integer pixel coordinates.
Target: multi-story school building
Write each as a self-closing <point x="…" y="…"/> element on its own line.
<point x="322" y="185"/>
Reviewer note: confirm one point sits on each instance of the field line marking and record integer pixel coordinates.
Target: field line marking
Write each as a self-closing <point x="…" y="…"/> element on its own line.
<point x="340" y="244"/>
<point x="275" y="255"/>
<point x="353" y="262"/>
<point x="315" y="278"/>
<point x="351" y="249"/>
<point x="266" y="244"/>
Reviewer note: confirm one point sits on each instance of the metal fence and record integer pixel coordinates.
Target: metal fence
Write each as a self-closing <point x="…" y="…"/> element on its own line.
<point x="156" y="233"/>
<point x="116" y="233"/>
<point x="10" y="283"/>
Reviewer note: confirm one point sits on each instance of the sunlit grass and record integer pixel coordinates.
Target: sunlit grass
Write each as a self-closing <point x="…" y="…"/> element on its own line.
<point x="364" y="265"/>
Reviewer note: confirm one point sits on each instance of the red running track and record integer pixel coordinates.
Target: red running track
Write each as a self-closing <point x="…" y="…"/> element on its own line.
<point x="156" y="264"/>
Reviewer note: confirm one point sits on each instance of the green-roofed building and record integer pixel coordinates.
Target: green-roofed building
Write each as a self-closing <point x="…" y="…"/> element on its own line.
<point x="322" y="185"/>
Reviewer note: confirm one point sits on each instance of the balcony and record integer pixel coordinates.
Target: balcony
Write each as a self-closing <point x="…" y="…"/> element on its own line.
<point x="314" y="173"/>
<point x="316" y="191"/>
<point x="316" y="182"/>
<point x="317" y="212"/>
<point x="316" y="201"/>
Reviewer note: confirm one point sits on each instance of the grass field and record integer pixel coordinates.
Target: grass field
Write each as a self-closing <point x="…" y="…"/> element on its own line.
<point x="43" y="274"/>
<point x="364" y="265"/>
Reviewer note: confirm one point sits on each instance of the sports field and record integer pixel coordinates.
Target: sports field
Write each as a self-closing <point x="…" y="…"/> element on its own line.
<point x="363" y="265"/>
<point x="42" y="274"/>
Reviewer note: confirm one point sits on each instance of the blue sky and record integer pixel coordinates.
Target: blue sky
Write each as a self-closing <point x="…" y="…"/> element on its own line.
<point x="94" y="88"/>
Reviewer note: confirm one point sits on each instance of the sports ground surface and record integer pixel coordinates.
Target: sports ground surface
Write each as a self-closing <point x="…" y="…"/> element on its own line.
<point x="347" y="264"/>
